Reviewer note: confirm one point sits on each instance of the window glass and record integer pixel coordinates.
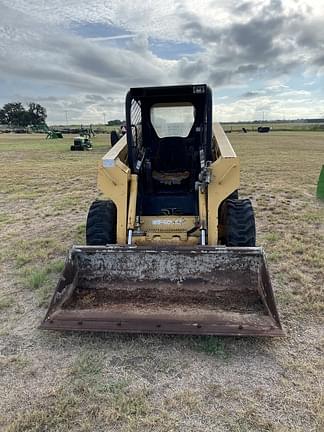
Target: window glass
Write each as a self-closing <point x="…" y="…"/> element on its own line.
<point x="172" y="119"/>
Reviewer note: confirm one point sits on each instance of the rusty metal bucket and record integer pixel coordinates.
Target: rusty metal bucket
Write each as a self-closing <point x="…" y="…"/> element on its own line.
<point x="201" y="291"/>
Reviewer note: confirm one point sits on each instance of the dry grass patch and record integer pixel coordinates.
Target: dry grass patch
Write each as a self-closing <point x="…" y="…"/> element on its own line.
<point x="281" y="179"/>
<point x="87" y="382"/>
<point x="6" y="302"/>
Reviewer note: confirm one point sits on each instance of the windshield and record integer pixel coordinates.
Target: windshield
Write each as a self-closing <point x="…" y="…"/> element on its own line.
<point x="172" y="119"/>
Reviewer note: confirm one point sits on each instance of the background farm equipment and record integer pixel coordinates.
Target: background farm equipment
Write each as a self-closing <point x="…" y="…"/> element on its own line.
<point x="54" y="134"/>
<point x="81" y="143"/>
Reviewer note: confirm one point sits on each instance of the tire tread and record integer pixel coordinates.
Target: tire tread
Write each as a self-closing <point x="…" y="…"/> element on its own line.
<point x="239" y="223"/>
<point x="101" y="223"/>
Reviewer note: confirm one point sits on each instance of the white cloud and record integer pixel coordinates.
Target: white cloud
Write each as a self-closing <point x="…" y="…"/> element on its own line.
<point x="240" y="43"/>
<point x="289" y="104"/>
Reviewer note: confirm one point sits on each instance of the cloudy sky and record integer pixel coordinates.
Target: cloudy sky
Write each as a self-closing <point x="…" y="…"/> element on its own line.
<point x="78" y="58"/>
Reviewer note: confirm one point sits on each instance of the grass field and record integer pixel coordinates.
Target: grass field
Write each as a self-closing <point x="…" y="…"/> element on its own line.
<point x="88" y="382"/>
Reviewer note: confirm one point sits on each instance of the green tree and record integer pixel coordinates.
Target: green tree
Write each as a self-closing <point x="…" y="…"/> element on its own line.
<point x="14" y="114"/>
<point x="2" y="117"/>
<point x="37" y="114"/>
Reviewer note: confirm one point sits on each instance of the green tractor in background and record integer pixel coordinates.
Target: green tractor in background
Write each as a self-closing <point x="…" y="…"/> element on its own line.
<point x="54" y="134"/>
<point x="83" y="141"/>
<point x="50" y="133"/>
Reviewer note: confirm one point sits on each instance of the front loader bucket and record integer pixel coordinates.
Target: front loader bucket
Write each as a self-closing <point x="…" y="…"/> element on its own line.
<point x="201" y="291"/>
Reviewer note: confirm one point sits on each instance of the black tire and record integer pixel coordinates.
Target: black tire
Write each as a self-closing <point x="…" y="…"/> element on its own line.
<point x="72" y="148"/>
<point x="101" y="223"/>
<point x="239" y="223"/>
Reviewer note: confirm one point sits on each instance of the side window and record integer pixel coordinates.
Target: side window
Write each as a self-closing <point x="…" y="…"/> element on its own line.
<point x="174" y="119"/>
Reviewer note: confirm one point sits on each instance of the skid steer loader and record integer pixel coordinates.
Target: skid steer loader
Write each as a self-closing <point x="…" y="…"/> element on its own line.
<point x="170" y="246"/>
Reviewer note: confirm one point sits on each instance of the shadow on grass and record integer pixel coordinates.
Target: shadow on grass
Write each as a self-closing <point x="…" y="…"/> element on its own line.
<point x="220" y="347"/>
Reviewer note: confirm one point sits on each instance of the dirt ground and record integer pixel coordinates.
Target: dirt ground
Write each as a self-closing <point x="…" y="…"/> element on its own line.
<point x="101" y="382"/>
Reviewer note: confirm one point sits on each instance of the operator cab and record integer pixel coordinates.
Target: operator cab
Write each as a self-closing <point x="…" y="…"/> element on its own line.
<point x="169" y="142"/>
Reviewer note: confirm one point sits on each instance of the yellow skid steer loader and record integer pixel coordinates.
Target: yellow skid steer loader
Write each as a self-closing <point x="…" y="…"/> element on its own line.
<point x="170" y="246"/>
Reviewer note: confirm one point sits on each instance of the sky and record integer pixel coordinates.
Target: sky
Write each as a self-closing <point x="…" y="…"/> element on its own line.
<point x="77" y="58"/>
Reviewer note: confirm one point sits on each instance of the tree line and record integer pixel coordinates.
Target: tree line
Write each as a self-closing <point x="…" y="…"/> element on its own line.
<point x="15" y="114"/>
